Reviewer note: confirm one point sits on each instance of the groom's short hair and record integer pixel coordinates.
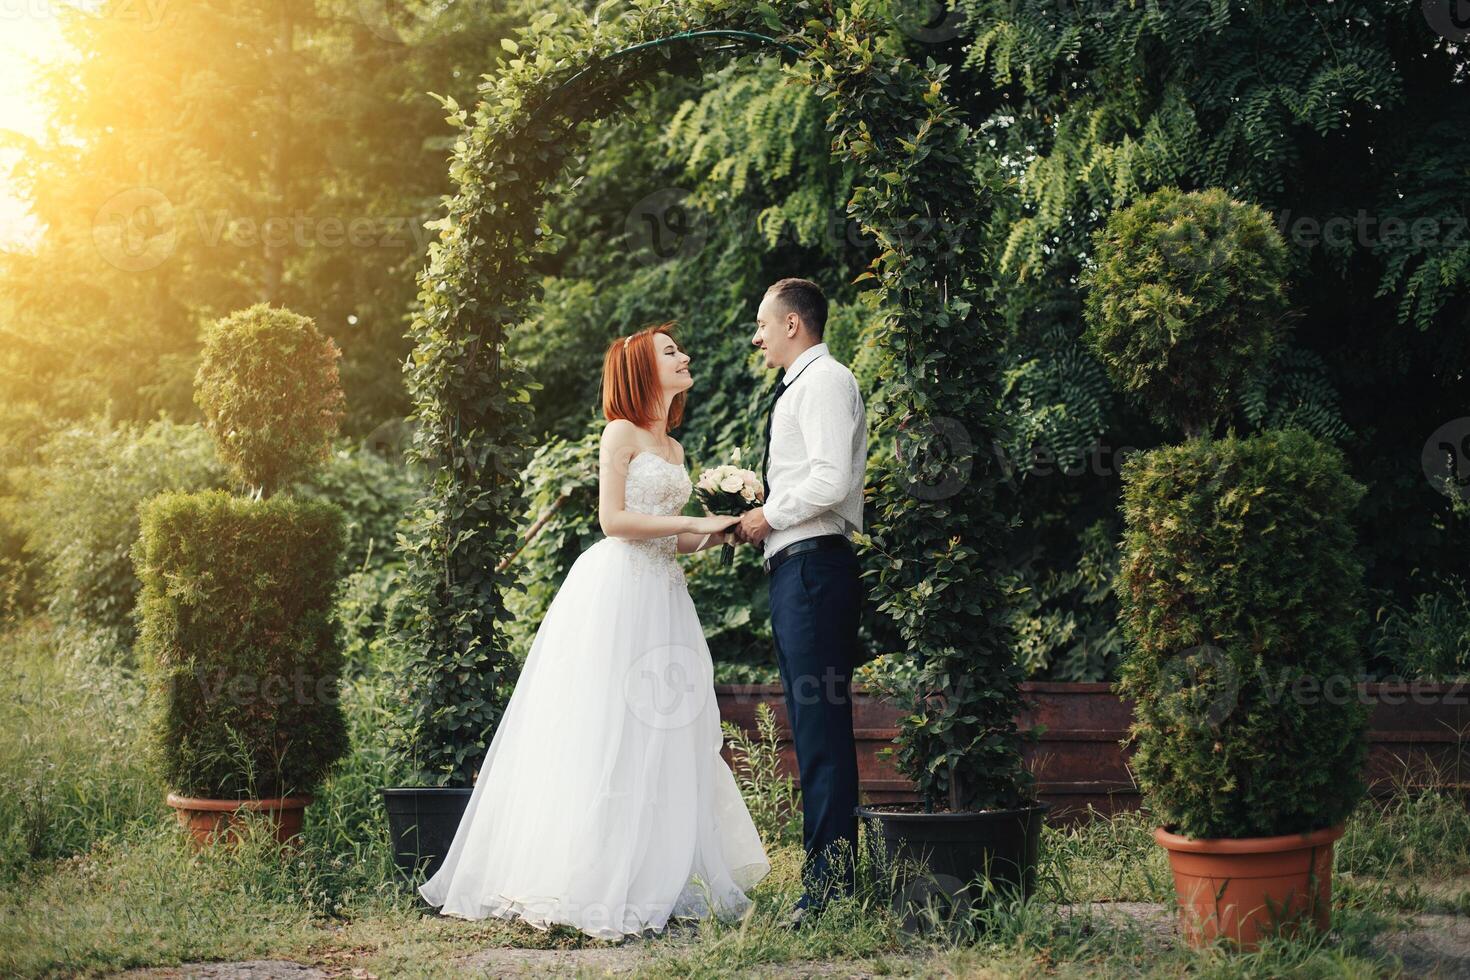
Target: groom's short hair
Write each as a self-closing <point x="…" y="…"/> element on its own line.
<point x="804" y="298"/>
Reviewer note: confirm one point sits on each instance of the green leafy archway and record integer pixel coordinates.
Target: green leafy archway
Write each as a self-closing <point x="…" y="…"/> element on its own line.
<point x="936" y="522"/>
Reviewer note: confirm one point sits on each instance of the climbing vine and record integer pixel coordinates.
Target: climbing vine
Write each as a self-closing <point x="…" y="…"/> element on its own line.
<point x="936" y="527"/>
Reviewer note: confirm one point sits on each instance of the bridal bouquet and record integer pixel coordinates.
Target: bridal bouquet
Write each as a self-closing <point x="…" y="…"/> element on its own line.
<point x="728" y="489"/>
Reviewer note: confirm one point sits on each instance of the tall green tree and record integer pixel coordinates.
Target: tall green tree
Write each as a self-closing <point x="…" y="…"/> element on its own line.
<point x="219" y="154"/>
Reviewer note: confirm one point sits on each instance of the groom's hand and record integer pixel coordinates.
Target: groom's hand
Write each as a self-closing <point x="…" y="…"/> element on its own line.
<point x="753" y="526"/>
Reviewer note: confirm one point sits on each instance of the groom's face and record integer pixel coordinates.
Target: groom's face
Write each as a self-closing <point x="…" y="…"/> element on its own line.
<point x="775" y="331"/>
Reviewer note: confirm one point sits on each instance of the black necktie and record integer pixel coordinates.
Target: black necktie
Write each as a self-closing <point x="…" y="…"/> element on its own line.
<point x="766" y="450"/>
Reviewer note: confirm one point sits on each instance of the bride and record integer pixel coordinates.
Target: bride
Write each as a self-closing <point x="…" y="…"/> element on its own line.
<point x="602" y="802"/>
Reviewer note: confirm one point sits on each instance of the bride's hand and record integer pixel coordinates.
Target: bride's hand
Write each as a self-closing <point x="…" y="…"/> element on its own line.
<point x="714" y="523"/>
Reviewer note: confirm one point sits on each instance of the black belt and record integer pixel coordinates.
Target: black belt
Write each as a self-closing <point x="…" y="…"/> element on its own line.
<point x="803" y="546"/>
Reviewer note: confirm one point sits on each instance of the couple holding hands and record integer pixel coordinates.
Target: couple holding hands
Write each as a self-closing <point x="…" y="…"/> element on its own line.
<point x="603" y="802"/>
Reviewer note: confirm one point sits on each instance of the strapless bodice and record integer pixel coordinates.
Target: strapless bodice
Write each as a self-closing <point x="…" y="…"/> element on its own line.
<point x="656" y="486"/>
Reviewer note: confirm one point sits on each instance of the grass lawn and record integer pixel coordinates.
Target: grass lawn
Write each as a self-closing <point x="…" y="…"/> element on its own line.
<point x="96" y="878"/>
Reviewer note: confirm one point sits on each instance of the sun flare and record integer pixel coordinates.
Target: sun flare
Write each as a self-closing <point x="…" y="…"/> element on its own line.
<point x="30" y="37"/>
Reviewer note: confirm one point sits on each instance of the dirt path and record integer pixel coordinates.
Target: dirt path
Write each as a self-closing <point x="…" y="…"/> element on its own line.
<point x="1435" y="945"/>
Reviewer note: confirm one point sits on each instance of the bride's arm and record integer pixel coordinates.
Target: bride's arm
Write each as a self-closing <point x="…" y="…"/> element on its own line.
<point x="617" y="451"/>
<point x="690" y="543"/>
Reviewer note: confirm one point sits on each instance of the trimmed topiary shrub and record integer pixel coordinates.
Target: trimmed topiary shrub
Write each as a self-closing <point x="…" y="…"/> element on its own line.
<point x="238" y="641"/>
<point x="1240" y="590"/>
<point x="1186" y="302"/>
<point x="270" y="392"/>
<point x="1240" y="602"/>
<point x="238" y="634"/>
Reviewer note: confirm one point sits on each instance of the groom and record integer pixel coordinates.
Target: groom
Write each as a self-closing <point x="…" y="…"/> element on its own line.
<point x="815" y="457"/>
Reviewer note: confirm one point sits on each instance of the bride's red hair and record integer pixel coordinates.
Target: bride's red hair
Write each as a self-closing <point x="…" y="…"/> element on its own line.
<point x="630" y="385"/>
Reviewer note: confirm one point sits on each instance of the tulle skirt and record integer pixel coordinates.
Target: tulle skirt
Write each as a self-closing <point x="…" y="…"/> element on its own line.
<point x="602" y="802"/>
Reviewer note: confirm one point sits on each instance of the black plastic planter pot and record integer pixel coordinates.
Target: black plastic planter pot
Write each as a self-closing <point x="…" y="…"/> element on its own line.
<point x="961" y="851"/>
<point x="421" y="825"/>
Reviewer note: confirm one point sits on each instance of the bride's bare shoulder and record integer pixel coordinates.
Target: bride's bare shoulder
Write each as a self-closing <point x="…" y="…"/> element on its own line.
<point x="618" y="429"/>
<point x="619" y="439"/>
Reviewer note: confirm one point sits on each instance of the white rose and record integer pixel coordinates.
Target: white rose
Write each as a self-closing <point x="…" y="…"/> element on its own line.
<point x="735" y="458"/>
<point x="752" y="487"/>
<point x="707" y="480"/>
<point x="732" y="483"/>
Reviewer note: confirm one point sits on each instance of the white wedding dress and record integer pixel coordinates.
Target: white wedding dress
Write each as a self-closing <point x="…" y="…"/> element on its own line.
<point x="603" y="802"/>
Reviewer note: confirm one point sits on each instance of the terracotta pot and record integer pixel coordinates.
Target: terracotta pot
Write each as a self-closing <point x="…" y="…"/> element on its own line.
<point x="214" y="821"/>
<point x="1249" y="887"/>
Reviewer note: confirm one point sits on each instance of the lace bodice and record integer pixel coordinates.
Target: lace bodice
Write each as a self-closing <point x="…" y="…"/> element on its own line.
<point x="662" y="488"/>
<point x="656" y="486"/>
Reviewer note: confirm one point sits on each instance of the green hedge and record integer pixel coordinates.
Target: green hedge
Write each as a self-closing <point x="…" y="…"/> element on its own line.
<point x="242" y="655"/>
<point x="77" y="507"/>
<point x="1241" y="606"/>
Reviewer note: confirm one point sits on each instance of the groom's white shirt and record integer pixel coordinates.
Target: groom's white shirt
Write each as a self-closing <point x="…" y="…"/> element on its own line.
<point x="818" y="453"/>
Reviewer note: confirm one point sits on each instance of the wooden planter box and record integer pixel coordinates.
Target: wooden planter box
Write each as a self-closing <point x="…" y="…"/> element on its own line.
<point x="1415" y="736"/>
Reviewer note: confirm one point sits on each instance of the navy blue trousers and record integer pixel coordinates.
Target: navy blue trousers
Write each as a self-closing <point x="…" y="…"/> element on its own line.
<point x="816" y="599"/>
